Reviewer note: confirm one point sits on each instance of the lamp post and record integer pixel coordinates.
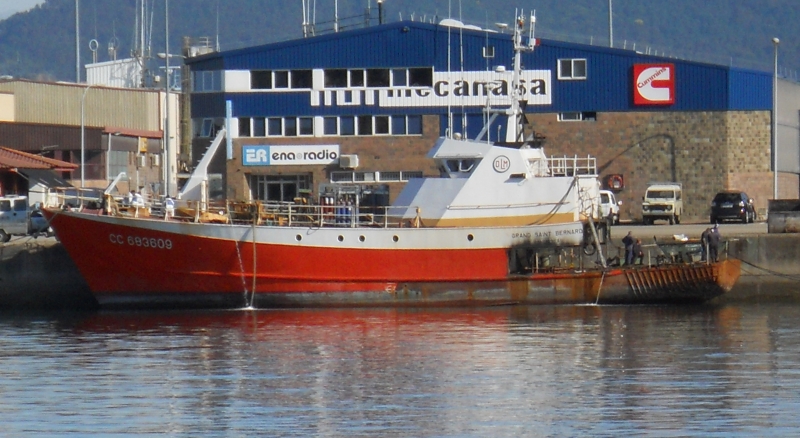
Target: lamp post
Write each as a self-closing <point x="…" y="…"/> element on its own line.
<point x="83" y="134"/>
<point x="775" y="43"/>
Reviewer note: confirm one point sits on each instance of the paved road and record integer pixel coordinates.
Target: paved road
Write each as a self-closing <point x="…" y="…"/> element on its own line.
<point x="662" y="230"/>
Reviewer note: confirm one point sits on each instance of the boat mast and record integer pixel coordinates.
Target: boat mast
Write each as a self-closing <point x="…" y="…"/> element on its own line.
<point x="516" y="116"/>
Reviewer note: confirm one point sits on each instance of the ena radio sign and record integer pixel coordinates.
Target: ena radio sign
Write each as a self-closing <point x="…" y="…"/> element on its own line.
<point x="288" y="155"/>
<point x="653" y="84"/>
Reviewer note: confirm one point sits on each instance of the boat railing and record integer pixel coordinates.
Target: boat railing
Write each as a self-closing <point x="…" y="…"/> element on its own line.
<point x="572" y="166"/>
<point x="312" y="215"/>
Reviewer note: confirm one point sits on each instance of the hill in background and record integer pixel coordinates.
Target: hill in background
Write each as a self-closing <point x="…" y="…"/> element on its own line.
<point x="40" y="44"/>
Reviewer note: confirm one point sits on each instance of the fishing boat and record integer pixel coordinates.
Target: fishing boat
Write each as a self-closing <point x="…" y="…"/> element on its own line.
<point x="503" y="223"/>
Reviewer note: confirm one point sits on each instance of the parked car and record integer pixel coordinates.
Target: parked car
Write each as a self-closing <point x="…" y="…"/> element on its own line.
<point x="38" y="224"/>
<point x="662" y="201"/>
<point x="731" y="205"/>
<point x="609" y="206"/>
<point x="13" y="216"/>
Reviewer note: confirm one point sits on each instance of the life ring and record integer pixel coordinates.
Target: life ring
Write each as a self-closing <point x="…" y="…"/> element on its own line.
<point x="590" y="248"/>
<point x="615" y="182"/>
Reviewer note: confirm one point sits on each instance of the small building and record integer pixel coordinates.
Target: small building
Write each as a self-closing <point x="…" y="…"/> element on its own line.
<point x="102" y="130"/>
<point x="32" y="175"/>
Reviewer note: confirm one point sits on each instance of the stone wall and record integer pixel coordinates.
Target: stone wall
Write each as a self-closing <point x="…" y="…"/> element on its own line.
<point x="705" y="151"/>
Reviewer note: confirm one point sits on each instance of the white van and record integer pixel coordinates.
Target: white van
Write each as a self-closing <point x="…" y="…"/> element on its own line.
<point x="662" y="201"/>
<point x="13" y="217"/>
<point x="609" y="206"/>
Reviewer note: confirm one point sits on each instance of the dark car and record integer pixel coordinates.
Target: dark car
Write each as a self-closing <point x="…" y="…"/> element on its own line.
<point x="38" y="224"/>
<point x="732" y="206"/>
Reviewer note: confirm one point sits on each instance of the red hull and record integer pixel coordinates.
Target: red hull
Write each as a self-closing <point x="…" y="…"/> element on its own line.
<point x="127" y="264"/>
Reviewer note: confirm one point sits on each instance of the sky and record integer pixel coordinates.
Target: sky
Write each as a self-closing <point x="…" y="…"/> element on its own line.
<point x="11" y="7"/>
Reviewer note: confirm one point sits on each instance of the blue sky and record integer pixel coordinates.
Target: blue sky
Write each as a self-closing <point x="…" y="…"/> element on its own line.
<point x="11" y="7"/>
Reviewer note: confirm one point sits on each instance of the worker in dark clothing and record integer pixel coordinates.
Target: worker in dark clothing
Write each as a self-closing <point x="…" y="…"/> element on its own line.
<point x="628" y="241"/>
<point x="713" y="244"/>
<point x="638" y="254"/>
<point x="704" y="244"/>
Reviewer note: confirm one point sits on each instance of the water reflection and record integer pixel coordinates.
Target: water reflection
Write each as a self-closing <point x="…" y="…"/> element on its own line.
<point x="562" y="370"/>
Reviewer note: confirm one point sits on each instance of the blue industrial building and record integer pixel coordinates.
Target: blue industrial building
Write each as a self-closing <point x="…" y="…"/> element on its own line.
<point x="378" y="96"/>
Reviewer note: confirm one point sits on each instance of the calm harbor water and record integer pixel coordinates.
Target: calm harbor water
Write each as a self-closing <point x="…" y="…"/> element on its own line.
<point x="730" y="370"/>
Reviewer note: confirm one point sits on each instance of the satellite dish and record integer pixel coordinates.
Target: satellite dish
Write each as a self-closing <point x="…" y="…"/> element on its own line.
<point x="451" y="23"/>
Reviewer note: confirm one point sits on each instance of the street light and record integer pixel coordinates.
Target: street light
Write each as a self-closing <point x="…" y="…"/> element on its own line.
<point x="775" y="42"/>
<point x="83" y="133"/>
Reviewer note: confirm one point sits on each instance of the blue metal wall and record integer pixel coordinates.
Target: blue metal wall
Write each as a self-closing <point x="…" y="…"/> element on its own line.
<point x="608" y="87"/>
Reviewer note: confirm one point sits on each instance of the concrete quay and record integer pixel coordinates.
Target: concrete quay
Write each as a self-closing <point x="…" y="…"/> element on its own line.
<point x="37" y="273"/>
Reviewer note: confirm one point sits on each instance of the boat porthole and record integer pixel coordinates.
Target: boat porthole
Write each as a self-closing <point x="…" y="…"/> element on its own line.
<point x="361" y="238"/>
<point x="340" y="238"/>
<point x="470" y="237"/>
<point x="395" y="238"/>
<point x="298" y="237"/>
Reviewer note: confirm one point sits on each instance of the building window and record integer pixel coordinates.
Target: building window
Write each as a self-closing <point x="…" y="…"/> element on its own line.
<point x="290" y="127"/>
<point x="306" y="125"/>
<point x="414" y="125"/>
<point x="356" y="78"/>
<point x="364" y="125"/>
<point x="336" y="78"/>
<point x="206" y="81"/>
<point x="367" y="176"/>
<point x="206" y="130"/>
<point x="259" y="127"/>
<point x="207" y="127"/>
<point x="399" y="77"/>
<point x="347" y="125"/>
<point x="261" y="79"/>
<point x="570" y="69"/>
<point x="278" y="188"/>
<point x="281" y="79"/>
<point x="244" y="126"/>
<point x="382" y="125"/>
<point x="330" y="126"/>
<point x="420" y="77"/>
<point x="301" y="79"/>
<point x="399" y="125"/>
<point x="488" y="52"/>
<point x="275" y="126"/>
<point x="577" y="116"/>
<point x="377" y="77"/>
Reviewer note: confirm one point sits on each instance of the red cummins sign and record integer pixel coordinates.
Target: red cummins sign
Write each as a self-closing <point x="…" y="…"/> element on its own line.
<point x="653" y="84"/>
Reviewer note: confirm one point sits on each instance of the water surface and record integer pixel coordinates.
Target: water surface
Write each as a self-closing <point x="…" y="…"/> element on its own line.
<point x="511" y="371"/>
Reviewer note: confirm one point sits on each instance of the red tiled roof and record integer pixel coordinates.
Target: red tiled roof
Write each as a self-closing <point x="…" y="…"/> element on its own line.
<point x="14" y="159"/>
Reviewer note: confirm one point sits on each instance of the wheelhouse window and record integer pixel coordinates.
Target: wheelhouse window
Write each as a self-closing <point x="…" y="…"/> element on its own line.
<point x="571" y="69"/>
